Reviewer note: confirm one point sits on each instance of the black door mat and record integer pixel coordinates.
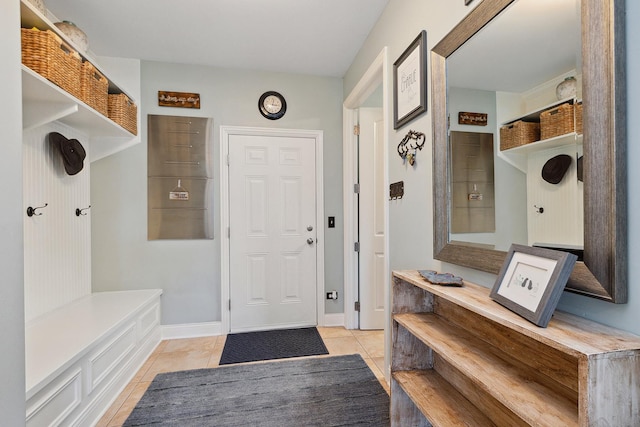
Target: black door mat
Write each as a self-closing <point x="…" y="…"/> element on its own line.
<point x="268" y="345"/>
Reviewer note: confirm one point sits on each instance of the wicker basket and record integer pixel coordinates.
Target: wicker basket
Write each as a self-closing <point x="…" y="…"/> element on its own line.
<point x="519" y="133"/>
<point x="94" y="88"/>
<point x="124" y="112"/>
<point x="579" y="126"/>
<point x="556" y="121"/>
<point x="46" y="54"/>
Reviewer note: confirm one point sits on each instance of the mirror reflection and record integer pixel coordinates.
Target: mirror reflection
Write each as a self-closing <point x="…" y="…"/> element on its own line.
<point x="524" y="72"/>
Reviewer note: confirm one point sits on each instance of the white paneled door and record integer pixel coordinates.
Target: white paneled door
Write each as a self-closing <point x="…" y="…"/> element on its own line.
<point x="272" y="220"/>
<point x="371" y="218"/>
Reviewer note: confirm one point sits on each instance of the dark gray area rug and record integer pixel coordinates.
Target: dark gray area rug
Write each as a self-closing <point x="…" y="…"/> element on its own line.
<point x="269" y="345"/>
<point x="327" y="391"/>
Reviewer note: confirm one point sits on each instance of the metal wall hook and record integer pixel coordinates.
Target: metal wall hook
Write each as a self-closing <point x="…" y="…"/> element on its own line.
<point x="539" y="209"/>
<point x="79" y="211"/>
<point x="31" y="211"/>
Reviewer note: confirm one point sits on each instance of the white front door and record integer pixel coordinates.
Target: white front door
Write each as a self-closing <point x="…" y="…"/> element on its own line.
<point x="272" y="220"/>
<point x="371" y="219"/>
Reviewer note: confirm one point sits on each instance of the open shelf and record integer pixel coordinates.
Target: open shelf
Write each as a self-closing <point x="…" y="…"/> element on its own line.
<point x="44" y="102"/>
<point x="31" y="17"/>
<point x="512" y="386"/>
<point x="460" y="358"/>
<point x="436" y="397"/>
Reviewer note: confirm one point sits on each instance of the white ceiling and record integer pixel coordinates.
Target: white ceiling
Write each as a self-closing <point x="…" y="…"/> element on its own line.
<point x="531" y="42"/>
<point x="318" y="37"/>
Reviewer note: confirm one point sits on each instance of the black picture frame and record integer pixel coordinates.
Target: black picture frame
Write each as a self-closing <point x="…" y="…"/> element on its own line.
<point x="531" y="281"/>
<point x="410" y="82"/>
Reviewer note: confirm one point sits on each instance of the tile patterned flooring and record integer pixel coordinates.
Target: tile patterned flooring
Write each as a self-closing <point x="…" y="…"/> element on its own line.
<point x="205" y="352"/>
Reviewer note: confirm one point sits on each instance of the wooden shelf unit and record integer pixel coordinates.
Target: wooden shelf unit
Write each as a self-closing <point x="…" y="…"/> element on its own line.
<point x="43" y="102"/>
<point x="459" y="358"/>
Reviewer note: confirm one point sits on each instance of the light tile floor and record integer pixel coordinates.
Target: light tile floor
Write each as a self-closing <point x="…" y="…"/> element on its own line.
<point x="197" y="353"/>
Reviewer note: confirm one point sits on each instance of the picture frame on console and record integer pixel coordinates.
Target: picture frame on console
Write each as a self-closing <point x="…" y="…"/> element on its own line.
<point x="531" y="281"/>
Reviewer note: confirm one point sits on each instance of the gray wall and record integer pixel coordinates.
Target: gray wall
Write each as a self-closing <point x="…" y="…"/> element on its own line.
<point x="12" y="369"/>
<point x="189" y="270"/>
<point x="411" y="218"/>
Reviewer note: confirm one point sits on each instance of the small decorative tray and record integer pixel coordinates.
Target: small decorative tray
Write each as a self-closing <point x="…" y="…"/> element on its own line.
<point x="444" y="279"/>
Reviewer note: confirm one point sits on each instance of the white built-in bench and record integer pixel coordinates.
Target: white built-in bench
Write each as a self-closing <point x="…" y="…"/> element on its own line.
<point x="80" y="356"/>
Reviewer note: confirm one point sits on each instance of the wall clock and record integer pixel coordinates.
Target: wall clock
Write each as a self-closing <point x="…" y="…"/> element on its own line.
<point x="272" y="105"/>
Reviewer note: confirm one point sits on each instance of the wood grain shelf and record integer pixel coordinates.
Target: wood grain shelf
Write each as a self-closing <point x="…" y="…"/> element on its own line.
<point x="436" y="397"/>
<point x="514" y="386"/>
<point x="510" y="370"/>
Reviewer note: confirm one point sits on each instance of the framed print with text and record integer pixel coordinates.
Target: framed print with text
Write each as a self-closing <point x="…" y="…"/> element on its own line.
<point x="531" y="281"/>
<point x="410" y="82"/>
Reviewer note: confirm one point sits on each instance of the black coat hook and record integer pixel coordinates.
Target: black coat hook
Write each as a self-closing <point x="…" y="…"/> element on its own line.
<point x="31" y="211"/>
<point x="79" y="211"/>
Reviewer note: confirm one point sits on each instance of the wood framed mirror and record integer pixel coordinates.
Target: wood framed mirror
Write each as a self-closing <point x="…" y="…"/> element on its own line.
<point x="603" y="272"/>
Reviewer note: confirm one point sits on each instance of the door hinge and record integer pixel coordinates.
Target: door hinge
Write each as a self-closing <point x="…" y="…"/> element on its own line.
<point x="228" y="232"/>
<point x="356" y="188"/>
<point x="356" y="130"/>
<point x="357" y="306"/>
<point x="229" y="305"/>
<point x="356" y="246"/>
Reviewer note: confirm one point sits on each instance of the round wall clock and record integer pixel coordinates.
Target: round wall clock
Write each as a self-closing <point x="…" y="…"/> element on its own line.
<point x="272" y="105"/>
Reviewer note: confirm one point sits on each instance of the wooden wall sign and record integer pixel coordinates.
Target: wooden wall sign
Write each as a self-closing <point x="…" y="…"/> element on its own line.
<point x="475" y="119"/>
<point x="178" y="99"/>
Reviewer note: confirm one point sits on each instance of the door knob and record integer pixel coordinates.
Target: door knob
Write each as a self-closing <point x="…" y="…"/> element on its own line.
<point x="310" y="228"/>
<point x="310" y="241"/>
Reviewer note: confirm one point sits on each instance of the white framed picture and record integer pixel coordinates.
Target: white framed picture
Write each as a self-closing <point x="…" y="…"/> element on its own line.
<point x="531" y="281"/>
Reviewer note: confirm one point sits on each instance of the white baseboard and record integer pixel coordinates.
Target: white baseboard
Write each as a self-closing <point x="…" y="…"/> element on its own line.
<point x="208" y="329"/>
<point x="333" y="319"/>
<point x="191" y="330"/>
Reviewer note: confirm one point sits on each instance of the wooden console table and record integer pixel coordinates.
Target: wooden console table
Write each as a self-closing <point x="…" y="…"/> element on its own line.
<point x="460" y="358"/>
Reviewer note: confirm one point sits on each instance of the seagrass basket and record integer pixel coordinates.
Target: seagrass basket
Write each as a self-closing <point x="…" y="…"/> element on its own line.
<point x="124" y="112"/>
<point x="48" y="55"/>
<point x="94" y="88"/>
<point x="519" y="133"/>
<point x="579" y="124"/>
<point x="557" y="121"/>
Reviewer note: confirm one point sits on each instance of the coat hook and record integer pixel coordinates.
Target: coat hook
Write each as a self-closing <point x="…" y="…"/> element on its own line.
<point x="79" y="211"/>
<point x="539" y="209"/>
<point x="32" y="211"/>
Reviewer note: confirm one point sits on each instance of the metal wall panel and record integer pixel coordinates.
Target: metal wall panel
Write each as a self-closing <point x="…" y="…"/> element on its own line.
<point x="472" y="184"/>
<point x="180" y="177"/>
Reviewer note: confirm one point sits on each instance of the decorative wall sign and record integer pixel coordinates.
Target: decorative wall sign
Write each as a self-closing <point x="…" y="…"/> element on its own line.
<point x="178" y="99"/>
<point x="410" y="83"/>
<point x="474" y="119"/>
<point x="531" y="281"/>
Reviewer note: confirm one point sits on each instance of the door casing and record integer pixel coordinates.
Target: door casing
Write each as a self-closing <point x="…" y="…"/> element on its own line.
<point x="379" y="72"/>
<point x="225" y="132"/>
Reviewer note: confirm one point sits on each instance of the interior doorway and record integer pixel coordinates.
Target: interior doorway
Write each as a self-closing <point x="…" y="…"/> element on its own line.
<point x="376" y="78"/>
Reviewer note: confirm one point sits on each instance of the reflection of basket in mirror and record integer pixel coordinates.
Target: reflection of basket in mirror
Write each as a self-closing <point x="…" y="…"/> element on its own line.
<point x="567" y="88"/>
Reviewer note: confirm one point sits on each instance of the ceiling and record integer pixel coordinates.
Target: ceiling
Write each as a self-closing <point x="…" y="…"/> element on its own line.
<point x="317" y="37"/>
<point x="529" y="43"/>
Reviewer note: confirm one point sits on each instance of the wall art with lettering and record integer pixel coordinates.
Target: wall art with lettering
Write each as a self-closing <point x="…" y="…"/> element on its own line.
<point x="410" y="82"/>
